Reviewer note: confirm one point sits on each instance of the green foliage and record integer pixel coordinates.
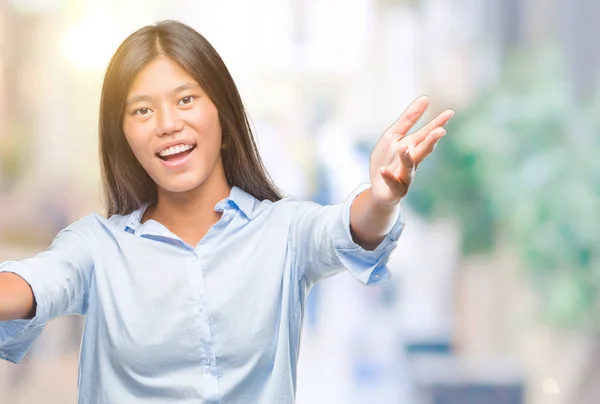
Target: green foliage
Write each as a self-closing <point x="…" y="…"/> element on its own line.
<point x="523" y="162"/>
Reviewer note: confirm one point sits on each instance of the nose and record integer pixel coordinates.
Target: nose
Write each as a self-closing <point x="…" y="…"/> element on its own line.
<point x="168" y="122"/>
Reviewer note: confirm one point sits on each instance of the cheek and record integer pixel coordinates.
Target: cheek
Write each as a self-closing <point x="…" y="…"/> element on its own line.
<point x="212" y="140"/>
<point x="136" y="140"/>
<point x="207" y="125"/>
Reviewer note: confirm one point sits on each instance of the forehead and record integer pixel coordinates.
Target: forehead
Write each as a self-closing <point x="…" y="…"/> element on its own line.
<point x="159" y="76"/>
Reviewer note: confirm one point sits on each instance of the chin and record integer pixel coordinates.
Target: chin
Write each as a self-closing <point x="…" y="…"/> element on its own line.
<point x="180" y="186"/>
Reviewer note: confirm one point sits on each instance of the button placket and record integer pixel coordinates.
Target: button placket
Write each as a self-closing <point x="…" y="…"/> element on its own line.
<point x="205" y="337"/>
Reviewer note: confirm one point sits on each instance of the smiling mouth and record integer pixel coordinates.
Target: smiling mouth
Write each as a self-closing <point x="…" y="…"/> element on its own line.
<point x="172" y="155"/>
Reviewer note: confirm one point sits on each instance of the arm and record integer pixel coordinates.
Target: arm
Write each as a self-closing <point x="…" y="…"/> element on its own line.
<point x="370" y="222"/>
<point x="53" y="283"/>
<point x="16" y="298"/>
<point x="322" y="244"/>
<point x="359" y="234"/>
<point x="392" y="168"/>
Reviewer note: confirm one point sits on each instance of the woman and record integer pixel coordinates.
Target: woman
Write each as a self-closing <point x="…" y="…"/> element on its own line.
<point x="194" y="285"/>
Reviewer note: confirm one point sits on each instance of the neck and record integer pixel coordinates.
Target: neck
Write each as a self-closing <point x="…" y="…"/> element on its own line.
<point x="189" y="214"/>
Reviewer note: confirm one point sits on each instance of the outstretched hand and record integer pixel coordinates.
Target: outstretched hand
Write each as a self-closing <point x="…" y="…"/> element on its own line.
<point x="397" y="155"/>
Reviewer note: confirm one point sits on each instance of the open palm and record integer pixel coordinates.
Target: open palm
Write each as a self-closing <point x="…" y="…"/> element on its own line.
<point x="397" y="155"/>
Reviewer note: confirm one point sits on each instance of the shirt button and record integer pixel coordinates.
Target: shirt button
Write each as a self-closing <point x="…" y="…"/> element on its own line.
<point x="207" y="361"/>
<point x="376" y="277"/>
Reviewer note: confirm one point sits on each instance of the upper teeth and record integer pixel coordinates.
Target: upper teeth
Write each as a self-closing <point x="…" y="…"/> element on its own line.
<point x="175" y="149"/>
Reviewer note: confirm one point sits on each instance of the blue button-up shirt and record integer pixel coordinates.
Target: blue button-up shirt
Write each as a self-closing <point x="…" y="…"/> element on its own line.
<point x="167" y="322"/>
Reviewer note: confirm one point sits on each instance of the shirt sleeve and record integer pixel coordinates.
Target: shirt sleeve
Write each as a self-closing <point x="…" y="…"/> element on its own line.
<point x="323" y="246"/>
<point x="60" y="280"/>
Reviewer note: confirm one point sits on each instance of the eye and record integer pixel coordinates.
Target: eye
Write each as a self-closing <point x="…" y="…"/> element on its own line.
<point x="186" y="100"/>
<point x="141" y="111"/>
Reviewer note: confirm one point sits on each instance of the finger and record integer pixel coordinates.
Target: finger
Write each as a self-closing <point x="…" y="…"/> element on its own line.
<point x="427" y="146"/>
<point x="407" y="165"/>
<point x="394" y="181"/>
<point x="402" y="170"/>
<point x="410" y="116"/>
<point x="437" y="122"/>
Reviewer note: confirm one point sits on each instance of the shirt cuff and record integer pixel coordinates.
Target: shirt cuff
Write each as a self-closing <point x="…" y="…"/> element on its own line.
<point x="367" y="266"/>
<point x="18" y="336"/>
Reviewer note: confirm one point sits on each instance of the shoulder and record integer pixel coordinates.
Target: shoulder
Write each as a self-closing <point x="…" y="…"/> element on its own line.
<point x="287" y="206"/>
<point x="93" y="224"/>
<point x="261" y="210"/>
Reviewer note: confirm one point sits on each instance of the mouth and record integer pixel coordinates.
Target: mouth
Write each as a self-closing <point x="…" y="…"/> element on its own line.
<point x="175" y="153"/>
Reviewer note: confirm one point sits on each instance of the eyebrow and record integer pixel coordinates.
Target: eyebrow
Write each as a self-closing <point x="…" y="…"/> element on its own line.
<point x="143" y="97"/>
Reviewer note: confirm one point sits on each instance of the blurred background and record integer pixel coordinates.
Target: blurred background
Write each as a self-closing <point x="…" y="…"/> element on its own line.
<point x="495" y="295"/>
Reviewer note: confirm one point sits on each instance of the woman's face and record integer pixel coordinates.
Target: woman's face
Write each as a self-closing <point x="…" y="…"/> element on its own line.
<point x="173" y="128"/>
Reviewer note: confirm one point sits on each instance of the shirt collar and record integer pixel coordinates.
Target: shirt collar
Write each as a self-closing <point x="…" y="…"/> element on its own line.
<point x="244" y="201"/>
<point x="237" y="197"/>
